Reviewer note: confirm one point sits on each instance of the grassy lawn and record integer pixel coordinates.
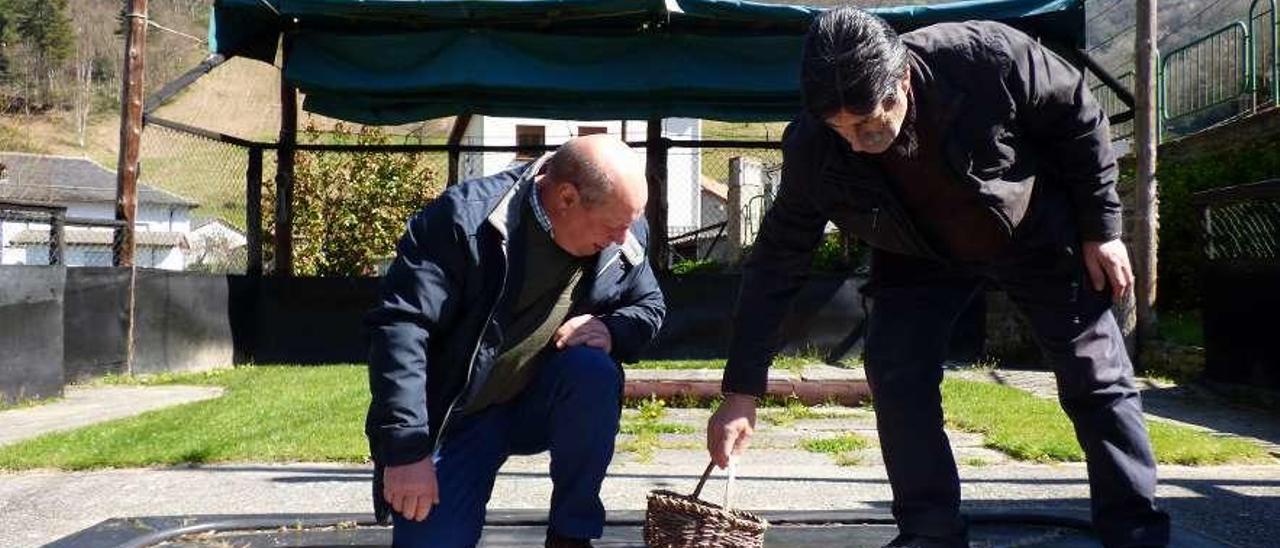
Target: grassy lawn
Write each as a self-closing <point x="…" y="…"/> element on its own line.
<point x="282" y="413"/>
<point x="793" y="411"/>
<point x="1183" y="328"/>
<point x="644" y="428"/>
<point x="1036" y="429"/>
<point x="843" y="443"/>
<point x="742" y="131"/>
<point x="268" y="414"/>
<point x="844" y="448"/>
<point x="25" y="403"/>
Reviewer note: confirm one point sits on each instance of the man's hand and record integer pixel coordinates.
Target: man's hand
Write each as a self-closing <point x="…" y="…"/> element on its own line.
<point x="1108" y="263"/>
<point x="585" y="330"/>
<point x="730" y="428"/>
<point x="411" y="488"/>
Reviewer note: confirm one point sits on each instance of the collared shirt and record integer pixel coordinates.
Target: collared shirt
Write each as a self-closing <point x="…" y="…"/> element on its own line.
<point x="535" y="201"/>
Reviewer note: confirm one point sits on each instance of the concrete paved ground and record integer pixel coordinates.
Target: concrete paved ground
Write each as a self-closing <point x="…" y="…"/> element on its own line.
<point x="509" y="529"/>
<point x="1238" y="505"/>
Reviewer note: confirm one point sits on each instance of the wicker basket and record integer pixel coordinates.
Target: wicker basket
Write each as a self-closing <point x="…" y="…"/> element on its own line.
<point x="685" y="521"/>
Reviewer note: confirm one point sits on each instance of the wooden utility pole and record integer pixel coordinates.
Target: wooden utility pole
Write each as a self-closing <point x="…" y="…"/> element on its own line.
<point x="1147" y="140"/>
<point x="656" y="212"/>
<point x="135" y="47"/>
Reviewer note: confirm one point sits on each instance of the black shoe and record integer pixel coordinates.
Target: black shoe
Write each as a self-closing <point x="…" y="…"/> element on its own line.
<point x="554" y="540"/>
<point x="906" y="540"/>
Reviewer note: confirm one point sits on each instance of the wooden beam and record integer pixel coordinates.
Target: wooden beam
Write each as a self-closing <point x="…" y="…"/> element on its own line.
<point x="656" y="210"/>
<point x="460" y="125"/>
<point x="1265" y="190"/>
<point x="285" y="152"/>
<point x="183" y="82"/>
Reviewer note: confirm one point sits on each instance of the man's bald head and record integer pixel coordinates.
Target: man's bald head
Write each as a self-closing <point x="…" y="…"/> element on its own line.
<point x="597" y="165"/>
<point x="593" y="188"/>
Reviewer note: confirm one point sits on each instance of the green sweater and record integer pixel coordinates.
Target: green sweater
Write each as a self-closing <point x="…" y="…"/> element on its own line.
<point x="541" y="305"/>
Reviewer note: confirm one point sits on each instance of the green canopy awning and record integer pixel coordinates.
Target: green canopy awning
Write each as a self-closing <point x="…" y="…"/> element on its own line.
<point x="396" y="61"/>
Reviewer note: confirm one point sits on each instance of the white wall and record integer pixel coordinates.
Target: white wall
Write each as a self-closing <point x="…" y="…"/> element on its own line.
<point x="159" y="218"/>
<point x="684" y="173"/>
<point x="165" y="258"/>
<point x="486" y="130"/>
<point x="684" y="165"/>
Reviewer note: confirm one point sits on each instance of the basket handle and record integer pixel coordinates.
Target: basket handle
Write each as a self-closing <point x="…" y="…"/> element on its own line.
<point x="728" y="488"/>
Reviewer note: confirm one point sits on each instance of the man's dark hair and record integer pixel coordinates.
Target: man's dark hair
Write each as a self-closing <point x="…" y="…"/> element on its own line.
<point x="852" y="61"/>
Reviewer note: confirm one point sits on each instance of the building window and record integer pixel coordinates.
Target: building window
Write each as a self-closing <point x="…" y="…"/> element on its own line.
<point x="583" y="131"/>
<point x="530" y="136"/>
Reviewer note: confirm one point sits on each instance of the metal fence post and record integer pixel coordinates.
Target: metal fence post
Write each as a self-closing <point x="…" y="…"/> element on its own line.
<point x="253" y="213"/>
<point x="57" y="238"/>
<point x="656" y="168"/>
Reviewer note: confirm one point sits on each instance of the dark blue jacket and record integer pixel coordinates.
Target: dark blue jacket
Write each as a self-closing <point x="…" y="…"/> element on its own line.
<point x="434" y="332"/>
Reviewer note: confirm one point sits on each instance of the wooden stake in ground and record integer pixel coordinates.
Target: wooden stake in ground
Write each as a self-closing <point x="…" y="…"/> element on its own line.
<point x="1146" y="215"/>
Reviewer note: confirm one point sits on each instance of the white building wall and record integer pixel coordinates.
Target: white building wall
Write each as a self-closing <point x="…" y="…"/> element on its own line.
<point x="165" y="258"/>
<point x="684" y="165"/>
<point x="684" y="173"/>
<point x="8" y="253"/>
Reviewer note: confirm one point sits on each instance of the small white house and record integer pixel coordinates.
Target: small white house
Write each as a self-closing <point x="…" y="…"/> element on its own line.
<point x="684" y="165"/>
<point x="214" y="243"/>
<point x="87" y="190"/>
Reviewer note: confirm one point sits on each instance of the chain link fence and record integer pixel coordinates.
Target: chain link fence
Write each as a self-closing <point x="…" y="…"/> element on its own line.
<point x="193" y="188"/>
<point x="1242" y="224"/>
<point x="207" y="201"/>
<point x="743" y="159"/>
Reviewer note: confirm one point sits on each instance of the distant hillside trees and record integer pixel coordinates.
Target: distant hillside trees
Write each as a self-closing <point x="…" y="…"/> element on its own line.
<point x="38" y="39"/>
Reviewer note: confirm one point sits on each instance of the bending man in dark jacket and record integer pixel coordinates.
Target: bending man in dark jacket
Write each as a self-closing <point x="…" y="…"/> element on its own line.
<point x="503" y="318"/>
<point x="963" y="154"/>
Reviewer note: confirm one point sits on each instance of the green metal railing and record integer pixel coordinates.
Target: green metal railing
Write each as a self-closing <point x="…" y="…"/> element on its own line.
<point x="1263" y="58"/>
<point x="1112" y="105"/>
<point x="1212" y="73"/>
<point x="1225" y="74"/>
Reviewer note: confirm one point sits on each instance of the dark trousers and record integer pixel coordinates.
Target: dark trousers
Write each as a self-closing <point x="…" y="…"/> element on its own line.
<point x="571" y="409"/>
<point x="915" y="307"/>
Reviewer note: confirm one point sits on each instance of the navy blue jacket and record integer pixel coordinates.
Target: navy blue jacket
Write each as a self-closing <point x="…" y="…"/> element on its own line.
<point x="434" y="333"/>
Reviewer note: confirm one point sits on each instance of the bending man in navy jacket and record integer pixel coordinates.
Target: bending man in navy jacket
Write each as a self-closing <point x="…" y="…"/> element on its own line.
<point x="963" y="154"/>
<point x="510" y="303"/>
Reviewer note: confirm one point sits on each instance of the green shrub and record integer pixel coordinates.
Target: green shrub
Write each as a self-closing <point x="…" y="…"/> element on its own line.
<point x="695" y="266"/>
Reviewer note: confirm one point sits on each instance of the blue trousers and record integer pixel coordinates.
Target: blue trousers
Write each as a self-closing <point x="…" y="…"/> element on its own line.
<point x="572" y="409"/>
